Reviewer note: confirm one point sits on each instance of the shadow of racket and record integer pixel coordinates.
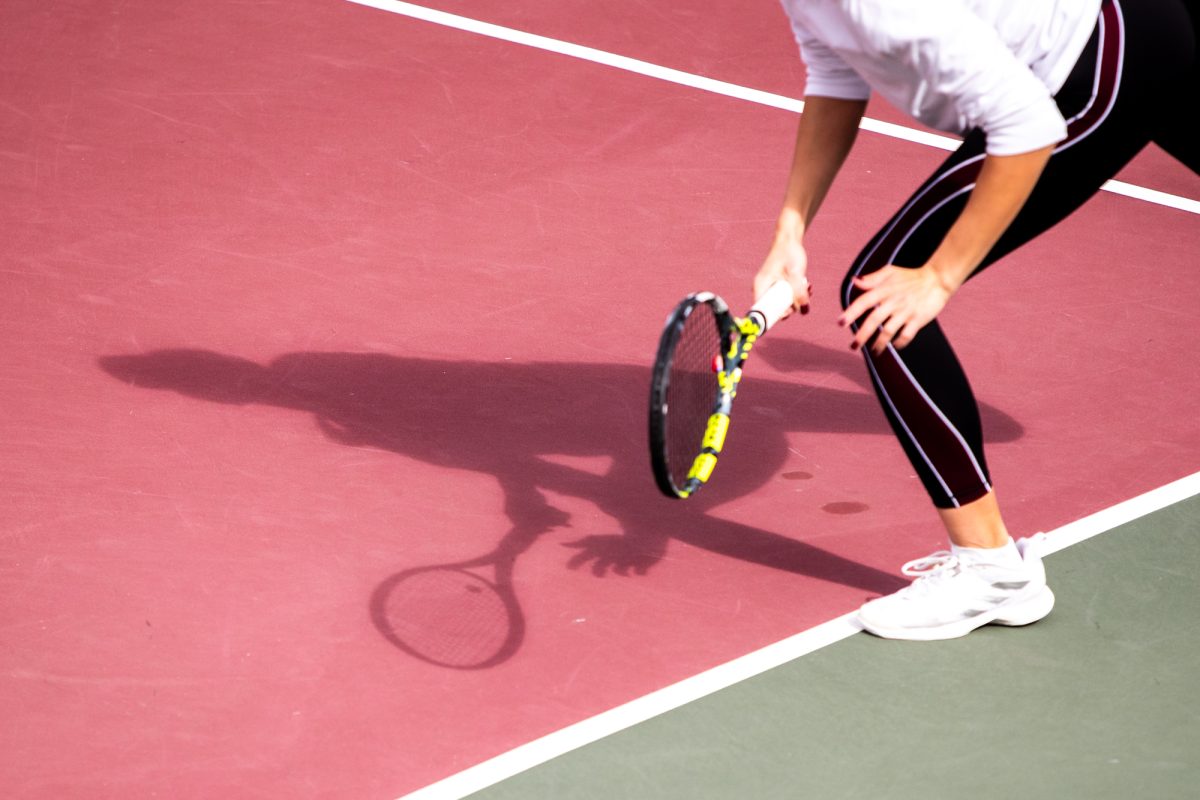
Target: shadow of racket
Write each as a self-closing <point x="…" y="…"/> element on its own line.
<point x="449" y="616"/>
<point x="457" y="615"/>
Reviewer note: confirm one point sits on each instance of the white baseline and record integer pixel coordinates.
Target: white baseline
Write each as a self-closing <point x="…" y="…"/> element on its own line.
<point x="719" y="87"/>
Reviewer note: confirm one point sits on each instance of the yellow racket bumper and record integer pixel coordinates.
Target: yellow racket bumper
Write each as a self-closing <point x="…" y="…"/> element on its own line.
<point x="714" y="434"/>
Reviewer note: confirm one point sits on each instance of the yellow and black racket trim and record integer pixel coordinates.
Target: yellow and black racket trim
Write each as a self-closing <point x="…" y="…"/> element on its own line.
<point x="695" y="379"/>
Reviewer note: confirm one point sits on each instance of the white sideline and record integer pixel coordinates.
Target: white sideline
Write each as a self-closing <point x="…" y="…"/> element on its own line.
<point x="539" y="751"/>
<point x="1135" y="508"/>
<point x="560" y="742"/>
<point x="718" y="87"/>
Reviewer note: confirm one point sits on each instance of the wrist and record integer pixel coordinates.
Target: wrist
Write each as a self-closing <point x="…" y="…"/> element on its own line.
<point x="950" y="273"/>
<point x="950" y="279"/>
<point x="790" y="226"/>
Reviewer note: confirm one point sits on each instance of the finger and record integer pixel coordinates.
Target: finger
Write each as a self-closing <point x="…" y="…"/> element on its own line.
<point x="804" y="308"/>
<point x="887" y="332"/>
<point x="907" y="334"/>
<point x="860" y="306"/>
<point x="870" y="326"/>
<point x="803" y="298"/>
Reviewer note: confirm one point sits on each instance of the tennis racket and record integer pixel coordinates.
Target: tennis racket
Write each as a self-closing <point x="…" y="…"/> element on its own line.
<point x="696" y="376"/>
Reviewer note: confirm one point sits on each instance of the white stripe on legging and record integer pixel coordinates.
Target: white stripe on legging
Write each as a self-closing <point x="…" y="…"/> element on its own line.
<point x="916" y="226"/>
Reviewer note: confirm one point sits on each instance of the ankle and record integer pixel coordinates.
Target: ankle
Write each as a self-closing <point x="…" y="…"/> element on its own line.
<point x="977" y="524"/>
<point x="1006" y="555"/>
<point x="981" y="540"/>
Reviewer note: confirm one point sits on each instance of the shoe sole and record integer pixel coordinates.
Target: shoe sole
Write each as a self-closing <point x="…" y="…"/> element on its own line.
<point x="1015" y="613"/>
<point x="1027" y="612"/>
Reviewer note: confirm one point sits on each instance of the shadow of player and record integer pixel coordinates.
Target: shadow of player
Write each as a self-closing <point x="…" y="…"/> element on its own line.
<point x="510" y="420"/>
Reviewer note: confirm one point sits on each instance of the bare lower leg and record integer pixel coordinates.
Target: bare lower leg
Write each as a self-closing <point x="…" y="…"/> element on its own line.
<point x="976" y="524"/>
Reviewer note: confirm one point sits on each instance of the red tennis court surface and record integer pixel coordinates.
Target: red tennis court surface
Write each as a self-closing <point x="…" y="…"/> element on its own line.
<point x="300" y="297"/>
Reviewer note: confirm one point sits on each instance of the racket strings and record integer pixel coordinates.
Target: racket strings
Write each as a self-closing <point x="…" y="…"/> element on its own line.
<point x="692" y="391"/>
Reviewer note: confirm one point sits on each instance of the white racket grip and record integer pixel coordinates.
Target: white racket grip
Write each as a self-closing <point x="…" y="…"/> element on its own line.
<point x="775" y="304"/>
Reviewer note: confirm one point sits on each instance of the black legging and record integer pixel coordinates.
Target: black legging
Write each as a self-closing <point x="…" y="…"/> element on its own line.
<point x="1140" y="60"/>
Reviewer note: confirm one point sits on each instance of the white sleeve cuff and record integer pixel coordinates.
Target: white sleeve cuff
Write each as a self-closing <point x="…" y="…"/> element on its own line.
<point x="827" y="74"/>
<point x="1026" y="129"/>
<point x="843" y="87"/>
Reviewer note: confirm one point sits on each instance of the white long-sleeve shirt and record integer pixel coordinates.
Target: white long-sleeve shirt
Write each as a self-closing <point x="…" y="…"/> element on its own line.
<point x="952" y="64"/>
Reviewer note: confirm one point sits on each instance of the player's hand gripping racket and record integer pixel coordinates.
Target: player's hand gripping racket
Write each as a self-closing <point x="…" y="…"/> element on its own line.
<point x="696" y="376"/>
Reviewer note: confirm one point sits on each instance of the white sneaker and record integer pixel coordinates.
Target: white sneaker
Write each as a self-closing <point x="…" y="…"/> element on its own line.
<point x="954" y="595"/>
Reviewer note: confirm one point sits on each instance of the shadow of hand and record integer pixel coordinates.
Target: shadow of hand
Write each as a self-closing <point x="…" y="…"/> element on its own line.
<point x="620" y="554"/>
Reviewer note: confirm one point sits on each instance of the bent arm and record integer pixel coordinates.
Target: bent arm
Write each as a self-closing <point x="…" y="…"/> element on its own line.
<point x="824" y="137"/>
<point x="895" y="303"/>
<point x="1004" y="184"/>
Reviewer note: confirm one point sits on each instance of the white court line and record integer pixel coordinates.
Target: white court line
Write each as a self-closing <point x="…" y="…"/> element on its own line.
<point x="539" y="751"/>
<point x="719" y="87"/>
<point x="1154" y="500"/>
<point x="572" y="737"/>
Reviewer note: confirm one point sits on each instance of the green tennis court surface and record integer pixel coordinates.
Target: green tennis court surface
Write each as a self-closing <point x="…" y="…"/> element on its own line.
<point x="1100" y="700"/>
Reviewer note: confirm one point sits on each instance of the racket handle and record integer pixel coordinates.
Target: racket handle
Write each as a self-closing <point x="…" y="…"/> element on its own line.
<point x="775" y="304"/>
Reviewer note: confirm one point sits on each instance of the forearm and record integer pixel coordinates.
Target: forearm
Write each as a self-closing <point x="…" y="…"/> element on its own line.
<point x="894" y="303"/>
<point x="824" y="137"/>
<point x="1004" y="184"/>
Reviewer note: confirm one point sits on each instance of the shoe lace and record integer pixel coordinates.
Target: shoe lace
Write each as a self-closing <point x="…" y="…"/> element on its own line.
<point x="931" y="564"/>
<point x="930" y="573"/>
